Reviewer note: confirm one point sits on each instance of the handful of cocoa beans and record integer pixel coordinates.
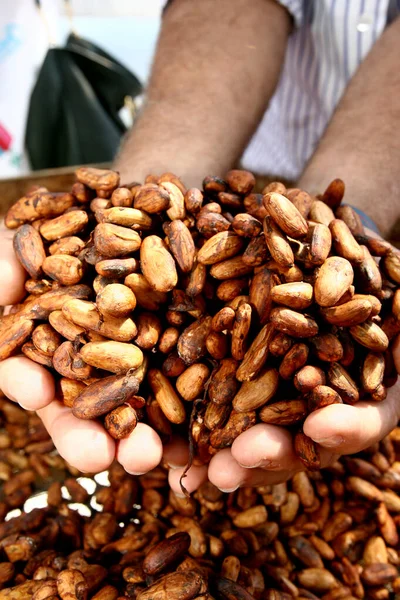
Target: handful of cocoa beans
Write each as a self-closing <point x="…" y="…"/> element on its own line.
<point x="204" y="311"/>
<point x="329" y="535"/>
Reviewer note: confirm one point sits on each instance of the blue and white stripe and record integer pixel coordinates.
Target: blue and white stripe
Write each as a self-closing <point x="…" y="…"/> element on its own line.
<point x="330" y="40"/>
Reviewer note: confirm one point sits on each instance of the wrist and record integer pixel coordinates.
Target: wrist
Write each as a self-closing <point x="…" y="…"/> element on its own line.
<point x="370" y="183"/>
<point x="160" y="142"/>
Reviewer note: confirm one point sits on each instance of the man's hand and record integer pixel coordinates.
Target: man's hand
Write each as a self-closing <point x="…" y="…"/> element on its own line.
<point x="260" y="456"/>
<point x="84" y="444"/>
<point x="264" y="454"/>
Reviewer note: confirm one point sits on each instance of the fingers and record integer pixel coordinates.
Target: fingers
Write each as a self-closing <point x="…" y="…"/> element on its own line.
<point x="271" y="448"/>
<point x="176" y="456"/>
<point x="266" y="446"/>
<point x="346" y="429"/>
<point x="12" y="275"/>
<point x="26" y="382"/>
<point x="141" y="451"/>
<point x="228" y="475"/>
<point x="84" y="444"/>
<point x="193" y="479"/>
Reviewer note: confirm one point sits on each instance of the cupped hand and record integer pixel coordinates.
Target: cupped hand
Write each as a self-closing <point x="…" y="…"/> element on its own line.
<point x="264" y="454"/>
<point x="260" y="456"/>
<point x="84" y="444"/>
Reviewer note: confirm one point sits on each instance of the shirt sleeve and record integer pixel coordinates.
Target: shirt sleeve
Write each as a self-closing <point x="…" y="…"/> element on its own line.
<point x="296" y="9"/>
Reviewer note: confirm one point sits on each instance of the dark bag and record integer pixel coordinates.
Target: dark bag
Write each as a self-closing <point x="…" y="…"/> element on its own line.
<point x="73" y="112"/>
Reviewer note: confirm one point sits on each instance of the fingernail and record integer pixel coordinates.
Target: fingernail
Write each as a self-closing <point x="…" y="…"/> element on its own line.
<point x="24" y="407"/>
<point x="173" y="466"/>
<point x="136" y="474"/>
<point x="179" y="495"/>
<point x="229" y="491"/>
<point x="331" y="442"/>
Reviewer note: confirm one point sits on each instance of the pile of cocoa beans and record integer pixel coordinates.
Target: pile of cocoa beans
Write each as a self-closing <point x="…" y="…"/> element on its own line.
<point x="203" y="311"/>
<point x="329" y="535"/>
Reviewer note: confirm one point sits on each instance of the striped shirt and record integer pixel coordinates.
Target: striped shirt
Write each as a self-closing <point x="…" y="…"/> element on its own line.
<point x="329" y="41"/>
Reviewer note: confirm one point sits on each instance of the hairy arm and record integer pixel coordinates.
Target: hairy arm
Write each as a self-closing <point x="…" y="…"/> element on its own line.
<point x="216" y="67"/>
<point x="361" y="144"/>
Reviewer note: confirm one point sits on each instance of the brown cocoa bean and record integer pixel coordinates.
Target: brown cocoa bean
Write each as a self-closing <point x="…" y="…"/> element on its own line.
<point x="167" y="398"/>
<point x="307" y="378"/>
<point x="117" y="357"/>
<point x="284" y="412"/>
<point x="67" y="270"/>
<point x="67" y="224"/>
<point x="294" y="359"/>
<point x="256" y="393"/>
<point x="246" y="226"/>
<point x="126" y="217"/>
<point x="280" y="344"/>
<point x="333" y="279"/>
<point x="296" y="295"/>
<point x="98" y="179"/>
<point x="68" y="362"/>
<point x="17" y="332"/>
<point x="193" y="200"/>
<point x="39" y="205"/>
<point x="192" y="341"/>
<point x="117" y="267"/>
<point x="351" y="218"/>
<point x="344" y="242"/>
<point x="372" y="372"/>
<point x="190" y="384"/>
<point x="104" y="395"/>
<point x="293" y="323"/>
<point x="277" y="244"/>
<point x="34" y="354"/>
<point x="240" y="181"/>
<point x="85" y="314"/>
<point x="157" y="264"/>
<point x="65" y="328"/>
<point x="121" y="421"/>
<point x="71" y="245"/>
<point x="348" y="314"/>
<point x="323" y="395"/>
<point x="181" y="245"/>
<point x="256" y="355"/>
<point x="285" y="215"/>
<point x="341" y="381"/>
<point x="334" y="193"/>
<point x="240" y="331"/>
<point x="327" y="347"/>
<point x="237" y="423"/>
<point x="46" y="339"/>
<point x="370" y="335"/>
<point x="113" y="241"/>
<point x="321" y="213"/>
<point x="28" y="247"/>
<point x="116" y="300"/>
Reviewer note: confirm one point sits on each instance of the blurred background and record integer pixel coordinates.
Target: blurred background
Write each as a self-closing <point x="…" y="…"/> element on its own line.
<point x="50" y="79"/>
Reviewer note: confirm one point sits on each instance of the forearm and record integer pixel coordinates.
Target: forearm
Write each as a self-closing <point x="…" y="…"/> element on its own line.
<point x="361" y="145"/>
<point x="215" y="69"/>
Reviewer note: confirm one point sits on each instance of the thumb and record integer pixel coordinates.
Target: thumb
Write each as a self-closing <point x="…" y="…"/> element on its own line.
<point x="12" y="274"/>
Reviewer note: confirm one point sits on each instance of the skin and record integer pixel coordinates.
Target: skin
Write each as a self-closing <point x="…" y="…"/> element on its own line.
<point x="208" y="91"/>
